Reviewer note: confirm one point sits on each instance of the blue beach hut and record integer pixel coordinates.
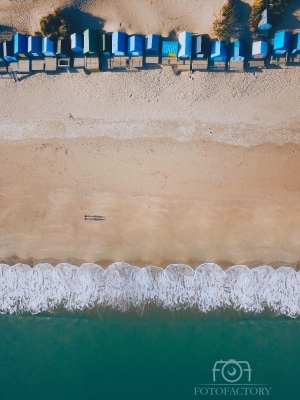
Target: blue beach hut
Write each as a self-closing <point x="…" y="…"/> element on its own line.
<point x="119" y="44"/>
<point x="48" y="48"/>
<point x="152" y="45"/>
<point x="169" y="49"/>
<point x="20" y="45"/>
<point x="296" y="44"/>
<point x="8" y="51"/>
<point x="135" y="46"/>
<point x="218" y="51"/>
<point x="77" y="42"/>
<point x="169" y="52"/>
<point x="34" y="47"/>
<point x="265" y="21"/>
<point x="259" y="50"/>
<point x="282" y="42"/>
<point x="237" y="55"/>
<point x="185" y="45"/>
<point x="237" y="50"/>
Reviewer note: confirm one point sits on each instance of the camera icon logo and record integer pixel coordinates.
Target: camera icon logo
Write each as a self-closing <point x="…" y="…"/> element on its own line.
<point x="231" y="370"/>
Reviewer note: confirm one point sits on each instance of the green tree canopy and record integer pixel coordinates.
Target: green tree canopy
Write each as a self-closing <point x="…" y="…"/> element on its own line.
<point x="55" y="26"/>
<point x="276" y="7"/>
<point x="225" y="24"/>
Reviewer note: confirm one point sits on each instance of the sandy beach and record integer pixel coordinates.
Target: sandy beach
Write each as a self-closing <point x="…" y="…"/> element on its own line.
<point x="186" y="169"/>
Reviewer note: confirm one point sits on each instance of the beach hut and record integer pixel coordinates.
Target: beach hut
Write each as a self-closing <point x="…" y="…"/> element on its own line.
<point x="106" y="52"/>
<point x="281" y="47"/>
<point x="184" y="51"/>
<point x="152" y="42"/>
<point x="77" y="42"/>
<point x="48" y="50"/>
<point x="169" y="52"/>
<point x="34" y="47"/>
<point x="237" y="56"/>
<point x="63" y="50"/>
<point x="119" y="49"/>
<point x="265" y="21"/>
<point x="9" y="55"/>
<point x="295" y="53"/>
<point x="34" y="50"/>
<point x="77" y="50"/>
<point x="90" y="50"/>
<point x="2" y="61"/>
<point x="258" y="54"/>
<point x="218" y="55"/>
<point x="200" y="52"/>
<point x="135" y="51"/>
<point x="20" y="51"/>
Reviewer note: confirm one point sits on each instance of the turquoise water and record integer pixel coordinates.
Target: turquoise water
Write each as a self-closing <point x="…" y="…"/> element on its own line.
<point x="155" y="356"/>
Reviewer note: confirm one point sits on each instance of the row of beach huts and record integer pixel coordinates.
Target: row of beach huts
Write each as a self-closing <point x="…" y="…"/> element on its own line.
<point x="117" y="50"/>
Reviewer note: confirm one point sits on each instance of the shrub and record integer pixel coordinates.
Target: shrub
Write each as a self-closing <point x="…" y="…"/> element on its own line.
<point x="55" y="26"/>
<point x="225" y="24"/>
<point x="276" y="7"/>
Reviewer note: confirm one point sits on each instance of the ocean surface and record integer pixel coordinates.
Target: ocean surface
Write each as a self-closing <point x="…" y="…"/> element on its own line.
<point x="148" y="333"/>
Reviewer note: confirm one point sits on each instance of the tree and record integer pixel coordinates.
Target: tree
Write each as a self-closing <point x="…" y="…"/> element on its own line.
<point x="225" y="24"/>
<point x="55" y="26"/>
<point x="276" y="7"/>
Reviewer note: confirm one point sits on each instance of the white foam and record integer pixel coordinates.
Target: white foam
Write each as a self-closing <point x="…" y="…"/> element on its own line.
<point x="122" y="286"/>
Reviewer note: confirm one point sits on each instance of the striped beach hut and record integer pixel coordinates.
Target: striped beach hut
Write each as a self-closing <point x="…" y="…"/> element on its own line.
<point x="119" y="44"/>
<point x="169" y="52"/>
<point x="34" y="47"/>
<point x="265" y="21"/>
<point x="218" y="55"/>
<point x="152" y="46"/>
<point x="200" y="52"/>
<point x="237" y="56"/>
<point x="135" y="51"/>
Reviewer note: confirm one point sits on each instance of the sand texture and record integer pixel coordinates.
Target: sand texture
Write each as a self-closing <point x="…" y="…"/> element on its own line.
<point x="186" y="169"/>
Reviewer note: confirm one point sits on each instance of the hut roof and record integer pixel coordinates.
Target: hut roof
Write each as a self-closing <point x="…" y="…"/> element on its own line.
<point x="282" y="41"/>
<point x="34" y="46"/>
<point x="169" y="48"/>
<point x="218" y="51"/>
<point x="237" y="50"/>
<point x="106" y="44"/>
<point x="185" y="45"/>
<point x="200" y="46"/>
<point x="48" y="47"/>
<point x="135" y="45"/>
<point x="118" y="43"/>
<point x="77" y="42"/>
<point x="63" y="47"/>
<point x="90" y="42"/>
<point x="296" y="43"/>
<point x="259" y="49"/>
<point x="8" y="51"/>
<point x="152" y="44"/>
<point x="20" y="45"/>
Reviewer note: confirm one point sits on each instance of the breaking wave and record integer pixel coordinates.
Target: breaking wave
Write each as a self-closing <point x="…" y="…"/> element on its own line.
<point x="123" y="287"/>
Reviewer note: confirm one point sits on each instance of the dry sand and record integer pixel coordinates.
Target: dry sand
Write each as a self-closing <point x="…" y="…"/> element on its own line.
<point x="186" y="169"/>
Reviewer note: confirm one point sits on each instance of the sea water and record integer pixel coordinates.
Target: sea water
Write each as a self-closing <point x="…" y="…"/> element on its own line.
<point x="128" y="333"/>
